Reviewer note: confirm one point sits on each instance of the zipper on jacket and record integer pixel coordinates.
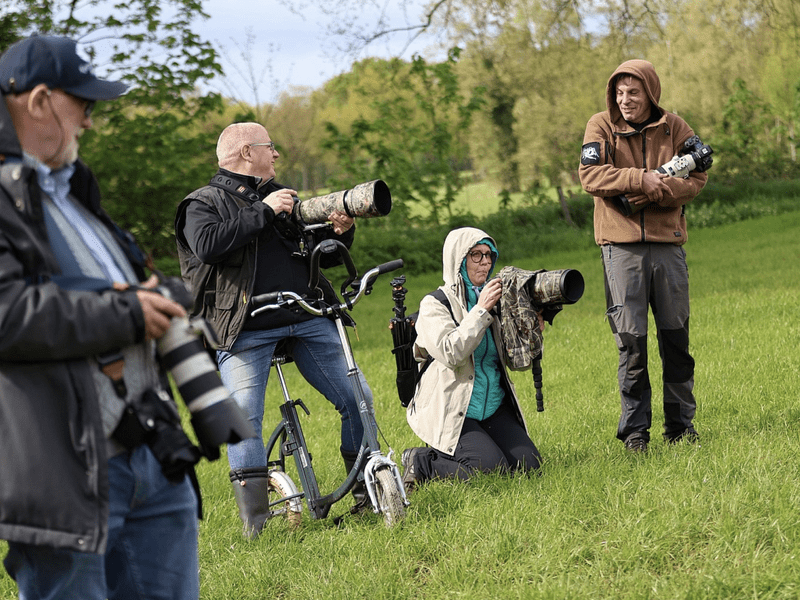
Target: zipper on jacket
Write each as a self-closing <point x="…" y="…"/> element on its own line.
<point x="486" y="391"/>
<point x="644" y="164"/>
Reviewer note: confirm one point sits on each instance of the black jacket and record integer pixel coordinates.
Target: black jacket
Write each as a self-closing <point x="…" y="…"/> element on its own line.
<point x="53" y="464"/>
<point x="227" y="233"/>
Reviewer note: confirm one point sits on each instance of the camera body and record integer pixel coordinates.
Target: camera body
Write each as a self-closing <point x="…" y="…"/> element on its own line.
<point x="153" y="419"/>
<point x="694" y="156"/>
<point x="526" y="293"/>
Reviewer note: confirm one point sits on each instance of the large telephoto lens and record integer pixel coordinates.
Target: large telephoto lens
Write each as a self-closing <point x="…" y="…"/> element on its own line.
<point x="557" y="287"/>
<point x="216" y="418"/>
<point x="366" y="200"/>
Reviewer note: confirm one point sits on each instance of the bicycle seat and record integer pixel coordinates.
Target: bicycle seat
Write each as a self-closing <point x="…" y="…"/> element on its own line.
<point x="281" y="354"/>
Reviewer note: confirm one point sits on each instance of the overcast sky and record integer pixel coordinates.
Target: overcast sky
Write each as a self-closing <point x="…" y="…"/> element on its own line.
<point x="290" y="50"/>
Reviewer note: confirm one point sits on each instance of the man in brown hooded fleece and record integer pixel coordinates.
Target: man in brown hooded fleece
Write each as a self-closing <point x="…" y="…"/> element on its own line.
<point x="642" y="248"/>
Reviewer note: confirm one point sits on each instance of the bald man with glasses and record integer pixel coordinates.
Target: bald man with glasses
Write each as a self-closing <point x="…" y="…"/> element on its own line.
<point x="236" y="241"/>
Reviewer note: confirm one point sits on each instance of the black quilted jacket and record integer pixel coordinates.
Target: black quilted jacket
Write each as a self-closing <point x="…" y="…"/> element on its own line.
<point x="53" y="477"/>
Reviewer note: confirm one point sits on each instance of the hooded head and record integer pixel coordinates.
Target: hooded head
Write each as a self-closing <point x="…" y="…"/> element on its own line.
<point x="643" y="71"/>
<point x="456" y="248"/>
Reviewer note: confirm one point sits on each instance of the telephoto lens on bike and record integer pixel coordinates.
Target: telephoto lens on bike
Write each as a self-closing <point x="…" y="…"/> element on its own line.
<point x="366" y="200"/>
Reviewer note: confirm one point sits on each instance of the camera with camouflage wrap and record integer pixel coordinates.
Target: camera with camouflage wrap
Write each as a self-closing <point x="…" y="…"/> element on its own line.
<point x="526" y="294"/>
<point x="366" y="200"/>
<point x="550" y="290"/>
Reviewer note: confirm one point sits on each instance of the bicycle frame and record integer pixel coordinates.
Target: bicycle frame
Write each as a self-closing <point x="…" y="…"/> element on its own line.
<point x="288" y="437"/>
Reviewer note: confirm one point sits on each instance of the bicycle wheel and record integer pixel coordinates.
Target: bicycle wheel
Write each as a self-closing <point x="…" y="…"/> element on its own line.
<point x="390" y="498"/>
<point x="282" y="486"/>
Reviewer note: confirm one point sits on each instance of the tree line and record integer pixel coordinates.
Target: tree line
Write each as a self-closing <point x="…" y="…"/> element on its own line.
<point x="508" y="103"/>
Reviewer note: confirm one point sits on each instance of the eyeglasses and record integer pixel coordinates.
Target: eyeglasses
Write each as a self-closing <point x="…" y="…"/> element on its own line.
<point x="270" y="145"/>
<point x="87" y="110"/>
<point x="477" y="256"/>
<point x="88" y="105"/>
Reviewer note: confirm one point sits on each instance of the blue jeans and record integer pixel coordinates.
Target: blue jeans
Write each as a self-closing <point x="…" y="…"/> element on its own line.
<point x="317" y="351"/>
<point x="152" y="544"/>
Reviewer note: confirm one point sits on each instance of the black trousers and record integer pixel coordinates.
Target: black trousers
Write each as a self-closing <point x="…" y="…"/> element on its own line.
<point x="497" y="443"/>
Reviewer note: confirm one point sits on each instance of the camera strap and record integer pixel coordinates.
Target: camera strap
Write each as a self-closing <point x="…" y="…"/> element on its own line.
<point x="284" y="226"/>
<point x="112" y="364"/>
<point x="236" y="188"/>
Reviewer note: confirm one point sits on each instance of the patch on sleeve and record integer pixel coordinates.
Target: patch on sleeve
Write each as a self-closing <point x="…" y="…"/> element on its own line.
<point x="590" y="154"/>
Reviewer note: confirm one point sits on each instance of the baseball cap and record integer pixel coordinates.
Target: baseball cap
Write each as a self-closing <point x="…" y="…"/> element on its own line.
<point x="53" y="61"/>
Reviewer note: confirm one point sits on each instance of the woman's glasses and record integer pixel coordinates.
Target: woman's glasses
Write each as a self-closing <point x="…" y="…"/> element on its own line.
<point x="477" y="256"/>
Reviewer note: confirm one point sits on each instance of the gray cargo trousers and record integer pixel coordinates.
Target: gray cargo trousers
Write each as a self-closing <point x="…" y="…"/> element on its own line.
<point x="638" y="276"/>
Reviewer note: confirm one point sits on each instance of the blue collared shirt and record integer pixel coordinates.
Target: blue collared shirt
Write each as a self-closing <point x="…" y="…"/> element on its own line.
<point x="55" y="183"/>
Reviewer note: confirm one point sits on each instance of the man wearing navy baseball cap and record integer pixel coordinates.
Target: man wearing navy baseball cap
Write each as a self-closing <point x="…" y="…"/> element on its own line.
<point x="93" y="503"/>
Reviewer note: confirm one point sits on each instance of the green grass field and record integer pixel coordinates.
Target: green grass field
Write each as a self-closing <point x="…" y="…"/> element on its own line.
<point x="715" y="520"/>
<point x="482" y="198"/>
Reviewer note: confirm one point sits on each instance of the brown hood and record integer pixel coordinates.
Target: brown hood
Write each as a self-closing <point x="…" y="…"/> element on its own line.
<point x="640" y="69"/>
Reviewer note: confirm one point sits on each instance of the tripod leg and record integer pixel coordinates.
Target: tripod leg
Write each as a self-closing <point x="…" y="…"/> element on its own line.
<point x="537" y="383"/>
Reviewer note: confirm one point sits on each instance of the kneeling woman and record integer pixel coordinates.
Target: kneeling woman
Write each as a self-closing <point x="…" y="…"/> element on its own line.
<point x="465" y="407"/>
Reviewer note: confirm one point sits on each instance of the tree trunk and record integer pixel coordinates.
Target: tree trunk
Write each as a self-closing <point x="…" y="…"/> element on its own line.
<point x="564" y="206"/>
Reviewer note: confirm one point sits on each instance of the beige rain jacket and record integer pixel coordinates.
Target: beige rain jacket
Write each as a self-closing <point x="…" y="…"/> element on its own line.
<point x="437" y="411"/>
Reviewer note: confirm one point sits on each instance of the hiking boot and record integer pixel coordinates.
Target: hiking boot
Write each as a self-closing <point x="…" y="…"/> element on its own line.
<point x="636" y="445"/>
<point x="690" y="436"/>
<point x="409" y="470"/>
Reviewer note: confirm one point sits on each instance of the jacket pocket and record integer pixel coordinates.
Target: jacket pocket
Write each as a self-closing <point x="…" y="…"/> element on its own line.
<point x="222" y="299"/>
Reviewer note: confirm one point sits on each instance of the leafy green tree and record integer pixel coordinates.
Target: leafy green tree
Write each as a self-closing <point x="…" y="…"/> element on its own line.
<point x="747" y="138"/>
<point x="415" y="142"/>
<point x="294" y="123"/>
<point x="544" y="65"/>
<point x="493" y="140"/>
<point x="552" y="113"/>
<point x="780" y="73"/>
<point x="144" y="149"/>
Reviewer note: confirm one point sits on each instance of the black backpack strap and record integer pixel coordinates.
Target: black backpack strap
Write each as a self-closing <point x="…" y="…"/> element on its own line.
<point x="424" y="367"/>
<point x="407" y="380"/>
<point x="441" y="297"/>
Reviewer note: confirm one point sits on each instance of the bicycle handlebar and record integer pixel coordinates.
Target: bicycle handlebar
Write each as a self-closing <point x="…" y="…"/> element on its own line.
<point x="390" y="266"/>
<point x="329" y="247"/>
<point x="273" y="300"/>
<point x="266" y="298"/>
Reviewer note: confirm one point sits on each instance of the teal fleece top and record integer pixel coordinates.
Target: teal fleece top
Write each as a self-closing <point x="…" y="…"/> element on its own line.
<point x="487" y="392"/>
